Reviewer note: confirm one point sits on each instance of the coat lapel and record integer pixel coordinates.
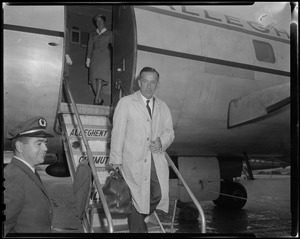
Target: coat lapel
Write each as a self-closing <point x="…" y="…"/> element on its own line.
<point x="140" y="104"/>
<point x="31" y="174"/>
<point x="156" y="106"/>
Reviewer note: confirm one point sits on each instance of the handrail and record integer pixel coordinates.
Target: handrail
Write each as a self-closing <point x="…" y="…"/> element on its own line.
<point x="203" y="228"/>
<point x="91" y="162"/>
<point x="65" y="77"/>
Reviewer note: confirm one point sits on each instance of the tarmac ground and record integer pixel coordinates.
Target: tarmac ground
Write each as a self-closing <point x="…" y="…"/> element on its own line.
<point x="267" y="212"/>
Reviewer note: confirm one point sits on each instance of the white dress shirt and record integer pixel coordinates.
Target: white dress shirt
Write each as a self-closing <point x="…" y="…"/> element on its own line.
<point x="32" y="168"/>
<point x="150" y="103"/>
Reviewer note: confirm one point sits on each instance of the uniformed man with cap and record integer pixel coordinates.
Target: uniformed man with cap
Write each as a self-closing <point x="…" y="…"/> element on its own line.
<point x="28" y="205"/>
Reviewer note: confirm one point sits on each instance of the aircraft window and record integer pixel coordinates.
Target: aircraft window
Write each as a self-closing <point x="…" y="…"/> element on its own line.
<point x="264" y="51"/>
<point x="75" y="36"/>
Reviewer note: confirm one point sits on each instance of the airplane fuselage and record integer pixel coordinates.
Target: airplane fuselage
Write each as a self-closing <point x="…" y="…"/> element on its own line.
<point x="206" y="60"/>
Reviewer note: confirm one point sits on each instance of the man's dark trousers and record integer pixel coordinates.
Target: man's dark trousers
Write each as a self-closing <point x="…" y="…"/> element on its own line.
<point x="136" y="221"/>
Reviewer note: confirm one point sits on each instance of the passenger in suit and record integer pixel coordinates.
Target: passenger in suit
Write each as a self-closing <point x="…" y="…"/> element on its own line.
<point x="28" y="206"/>
<point x="140" y="137"/>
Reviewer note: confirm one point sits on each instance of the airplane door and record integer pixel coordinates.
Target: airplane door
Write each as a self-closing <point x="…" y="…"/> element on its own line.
<point x="124" y="52"/>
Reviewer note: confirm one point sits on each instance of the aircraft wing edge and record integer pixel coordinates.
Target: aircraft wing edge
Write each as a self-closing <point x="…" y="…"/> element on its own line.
<point x="257" y="104"/>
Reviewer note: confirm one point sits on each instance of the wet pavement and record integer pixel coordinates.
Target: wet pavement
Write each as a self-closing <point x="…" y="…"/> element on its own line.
<point x="266" y="213"/>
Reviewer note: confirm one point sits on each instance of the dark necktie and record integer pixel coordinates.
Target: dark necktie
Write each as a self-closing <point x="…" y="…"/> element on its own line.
<point x="148" y="108"/>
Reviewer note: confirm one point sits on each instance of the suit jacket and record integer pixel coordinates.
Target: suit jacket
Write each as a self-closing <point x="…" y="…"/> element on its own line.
<point x="132" y="131"/>
<point x="28" y="206"/>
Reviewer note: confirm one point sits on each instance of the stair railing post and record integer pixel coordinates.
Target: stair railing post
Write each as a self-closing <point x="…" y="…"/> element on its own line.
<point x="203" y="221"/>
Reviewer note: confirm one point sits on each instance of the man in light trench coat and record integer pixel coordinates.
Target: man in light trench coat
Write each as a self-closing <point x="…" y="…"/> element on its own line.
<point x="140" y="137"/>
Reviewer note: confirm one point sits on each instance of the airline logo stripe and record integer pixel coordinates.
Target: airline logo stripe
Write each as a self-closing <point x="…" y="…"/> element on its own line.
<point x="211" y="60"/>
<point x="100" y="162"/>
<point x="94" y="131"/>
<point x="218" y="23"/>
<point x="99" y="159"/>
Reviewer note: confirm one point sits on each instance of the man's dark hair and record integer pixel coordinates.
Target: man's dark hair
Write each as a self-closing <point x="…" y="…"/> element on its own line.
<point x="149" y="69"/>
<point x="24" y="140"/>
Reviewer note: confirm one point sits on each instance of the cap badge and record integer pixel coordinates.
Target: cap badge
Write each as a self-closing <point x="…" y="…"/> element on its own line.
<point x="42" y="122"/>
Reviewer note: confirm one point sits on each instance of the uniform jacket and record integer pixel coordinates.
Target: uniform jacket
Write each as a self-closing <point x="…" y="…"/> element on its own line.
<point x="133" y="129"/>
<point x="99" y="53"/>
<point x="28" y="206"/>
<point x="98" y="42"/>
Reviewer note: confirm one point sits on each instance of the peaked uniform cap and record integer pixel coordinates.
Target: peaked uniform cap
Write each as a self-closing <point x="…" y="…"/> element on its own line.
<point x="35" y="127"/>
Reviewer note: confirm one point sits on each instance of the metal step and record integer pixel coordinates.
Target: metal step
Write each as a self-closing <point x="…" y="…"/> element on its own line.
<point x="84" y="109"/>
<point x="121" y="225"/>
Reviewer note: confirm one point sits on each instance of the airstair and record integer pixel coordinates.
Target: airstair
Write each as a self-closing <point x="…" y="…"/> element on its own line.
<point x="93" y="147"/>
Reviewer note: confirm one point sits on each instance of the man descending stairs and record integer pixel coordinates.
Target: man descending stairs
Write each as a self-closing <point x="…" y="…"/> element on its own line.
<point x="97" y="127"/>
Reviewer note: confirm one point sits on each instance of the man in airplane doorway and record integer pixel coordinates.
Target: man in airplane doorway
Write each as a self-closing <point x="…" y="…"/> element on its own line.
<point x="142" y="131"/>
<point x="28" y="206"/>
